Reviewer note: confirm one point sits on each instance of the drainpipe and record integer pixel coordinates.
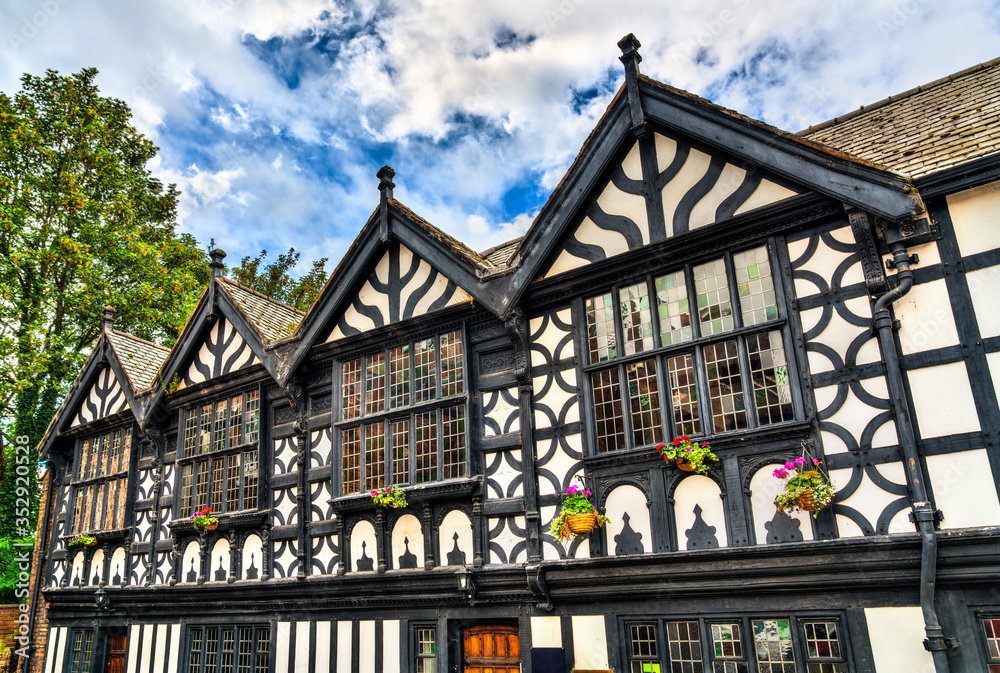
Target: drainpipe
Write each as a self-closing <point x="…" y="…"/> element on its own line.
<point x="41" y="565"/>
<point x="923" y="513"/>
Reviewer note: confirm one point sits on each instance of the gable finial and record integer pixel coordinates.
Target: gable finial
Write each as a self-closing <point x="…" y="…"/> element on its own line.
<point x="216" y="264"/>
<point x="385" y="185"/>
<point x="631" y="58"/>
<point x="109" y="318"/>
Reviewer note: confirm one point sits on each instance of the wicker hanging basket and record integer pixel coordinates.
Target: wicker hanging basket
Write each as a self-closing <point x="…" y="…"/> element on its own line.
<point x="807" y="503"/>
<point x="684" y="464"/>
<point x="91" y="543"/>
<point x="212" y="525"/>
<point x="581" y="524"/>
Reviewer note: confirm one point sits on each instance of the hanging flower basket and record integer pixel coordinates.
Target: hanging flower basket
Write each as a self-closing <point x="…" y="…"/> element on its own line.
<point x="807" y="489"/>
<point x="687" y="455"/>
<point x="581" y="524"/>
<point x="578" y="516"/>
<point x="203" y="520"/>
<point x="389" y="497"/>
<point x="83" y="541"/>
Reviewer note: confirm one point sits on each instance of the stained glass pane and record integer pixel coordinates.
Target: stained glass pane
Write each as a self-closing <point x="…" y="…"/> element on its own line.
<point x="608" y="417"/>
<point x="684" y="394"/>
<point x="637" y="322"/>
<point x="725" y="386"/>
<point x="190" y="432"/>
<point x="601" y="337"/>
<point x="250" y="479"/>
<point x="756" y="287"/>
<point x="220" y="425"/>
<point x="351" y="389"/>
<point x="452" y="366"/>
<point x="684" y="642"/>
<point x="236" y="421"/>
<point x="644" y="403"/>
<point x="769" y="373"/>
<point x="773" y="646"/>
<point x="715" y="310"/>
<point x="673" y="309"/>
<point x="205" y="437"/>
<point x="453" y="441"/>
<point x="401" y="451"/>
<point x="252" y="420"/>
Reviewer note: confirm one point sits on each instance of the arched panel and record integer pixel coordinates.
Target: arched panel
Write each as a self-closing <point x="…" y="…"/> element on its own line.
<point x="700" y="514"/>
<point x="455" y="536"/>
<point x="253" y="554"/>
<point x="190" y="563"/>
<point x="76" y="577"/>
<point x="117" y="570"/>
<point x="218" y="567"/>
<point x="629" y="531"/>
<point x="769" y="526"/>
<point x="407" y="544"/>
<point x="96" y="575"/>
<point x="364" y="552"/>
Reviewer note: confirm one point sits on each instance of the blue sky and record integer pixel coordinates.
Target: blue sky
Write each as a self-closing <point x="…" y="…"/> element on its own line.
<point x="273" y="117"/>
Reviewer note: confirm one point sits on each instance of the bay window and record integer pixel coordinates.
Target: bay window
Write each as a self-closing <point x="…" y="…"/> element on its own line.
<point x="403" y="415"/>
<point x="694" y="351"/>
<point x="100" y="482"/>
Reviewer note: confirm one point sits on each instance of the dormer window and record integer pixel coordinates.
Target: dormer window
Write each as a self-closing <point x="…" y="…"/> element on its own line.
<point x="100" y="481"/>
<point x="219" y="463"/>
<point x="403" y="414"/>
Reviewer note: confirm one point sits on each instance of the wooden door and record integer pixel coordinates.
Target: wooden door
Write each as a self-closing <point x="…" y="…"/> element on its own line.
<point x="491" y="649"/>
<point x="116" y="653"/>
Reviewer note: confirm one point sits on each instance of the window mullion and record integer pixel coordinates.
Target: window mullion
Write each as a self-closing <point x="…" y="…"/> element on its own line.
<point x="411" y="434"/>
<point x="623" y="392"/>
<point x="362" y="472"/>
<point x="734" y="291"/>
<point x="439" y="419"/>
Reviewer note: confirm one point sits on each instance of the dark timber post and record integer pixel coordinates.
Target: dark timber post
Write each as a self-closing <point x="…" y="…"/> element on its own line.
<point x="385" y="185"/>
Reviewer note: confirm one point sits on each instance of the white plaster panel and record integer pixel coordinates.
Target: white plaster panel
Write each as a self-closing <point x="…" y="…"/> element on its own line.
<point x="147" y="648"/>
<point x="993" y="360"/>
<point x="975" y="214"/>
<point x="926" y="319"/>
<point x="869" y="499"/>
<point x="832" y="444"/>
<point x="939" y="415"/>
<point x="854" y="415"/>
<point x="666" y="150"/>
<point x="506" y="473"/>
<point x="561" y="464"/>
<point x="507" y="539"/>
<point x="729" y="181"/>
<point x="964" y="489"/>
<point x="366" y="646"/>
<point x="253" y="553"/>
<point x="323" y="630"/>
<point x="694" y="169"/>
<point x="288" y="506"/>
<point x="632" y="165"/>
<point x="502" y="411"/>
<point x="612" y="242"/>
<point x="810" y="318"/>
<point x="896" y="636"/>
<point x="321" y="444"/>
<point x="546" y="631"/>
<point x="614" y="201"/>
<point x="117" y="563"/>
<point x="301" y="647"/>
<point x="455" y="522"/>
<point x="220" y="558"/>
<point x="629" y="499"/>
<point x="984" y="288"/>
<point x="77" y="572"/>
<point x="847" y="528"/>
<point x="161" y="644"/>
<point x="175" y="648"/>
<point x="590" y="643"/>
<point x="363" y="543"/>
<point x="390" y="646"/>
<point x="345" y="658"/>
<point x="407" y="528"/>
<point x="282" y="637"/>
<point x="766" y="192"/>
<point x="699" y="491"/>
<point x="369" y="296"/>
<point x="764" y="488"/>
<point x="96" y="567"/>
<point x="189" y="560"/>
<point x="556" y="398"/>
<point x="798" y="247"/>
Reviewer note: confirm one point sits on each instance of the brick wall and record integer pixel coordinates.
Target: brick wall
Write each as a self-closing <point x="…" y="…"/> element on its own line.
<point x="40" y="632"/>
<point x="8" y="613"/>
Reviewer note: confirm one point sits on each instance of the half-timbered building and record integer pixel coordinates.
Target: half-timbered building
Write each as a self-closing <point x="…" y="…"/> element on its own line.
<point x="696" y="272"/>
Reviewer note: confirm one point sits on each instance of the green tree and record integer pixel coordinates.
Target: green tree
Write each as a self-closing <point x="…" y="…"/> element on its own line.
<point x="83" y="224"/>
<point x="274" y="280"/>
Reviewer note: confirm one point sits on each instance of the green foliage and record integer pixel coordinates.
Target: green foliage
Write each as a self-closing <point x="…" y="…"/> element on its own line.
<point x="389" y="497"/>
<point x="82" y="541"/>
<point x="575" y="503"/>
<point x="274" y="281"/>
<point x="682" y="448"/>
<point x="83" y="224"/>
<point x="9" y="567"/>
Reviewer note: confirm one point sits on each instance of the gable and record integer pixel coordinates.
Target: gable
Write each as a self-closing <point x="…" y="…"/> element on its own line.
<point x="399" y="287"/>
<point x="105" y="397"/>
<point x="223" y="350"/>
<point x="690" y="188"/>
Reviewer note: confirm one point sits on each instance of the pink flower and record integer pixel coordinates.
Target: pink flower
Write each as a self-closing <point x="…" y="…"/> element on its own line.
<point x="573" y="488"/>
<point x="704" y="445"/>
<point x="688" y="449"/>
<point x="374" y="493"/>
<point x="586" y="492"/>
<point x="781" y="473"/>
<point x="800" y="461"/>
<point x="789" y="465"/>
<point x="817" y="461"/>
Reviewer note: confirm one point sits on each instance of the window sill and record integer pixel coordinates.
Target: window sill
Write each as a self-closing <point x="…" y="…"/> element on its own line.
<point x="236" y="520"/>
<point x="757" y="438"/>
<point x="415" y="495"/>
<point x="103" y="537"/>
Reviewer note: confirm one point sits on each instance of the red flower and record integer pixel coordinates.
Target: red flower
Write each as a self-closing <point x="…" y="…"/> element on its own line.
<point x="677" y="441"/>
<point x="207" y="510"/>
<point x="685" y="438"/>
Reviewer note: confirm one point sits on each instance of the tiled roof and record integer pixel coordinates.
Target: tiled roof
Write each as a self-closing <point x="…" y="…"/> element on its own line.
<point x="935" y="126"/>
<point x="500" y="255"/>
<point x="140" y="359"/>
<point x="273" y="318"/>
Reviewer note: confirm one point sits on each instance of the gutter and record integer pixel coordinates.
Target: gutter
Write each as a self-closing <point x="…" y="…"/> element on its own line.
<point x="923" y="515"/>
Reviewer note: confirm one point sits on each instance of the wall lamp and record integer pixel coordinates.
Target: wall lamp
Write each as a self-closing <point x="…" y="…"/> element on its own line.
<point x="466" y="584"/>
<point x="102" y="600"/>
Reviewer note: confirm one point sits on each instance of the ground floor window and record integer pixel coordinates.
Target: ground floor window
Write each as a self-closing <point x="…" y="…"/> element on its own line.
<point x="240" y="648"/>
<point x="81" y="651"/>
<point x="425" y="650"/>
<point x="774" y="644"/>
<point x="991" y="627"/>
